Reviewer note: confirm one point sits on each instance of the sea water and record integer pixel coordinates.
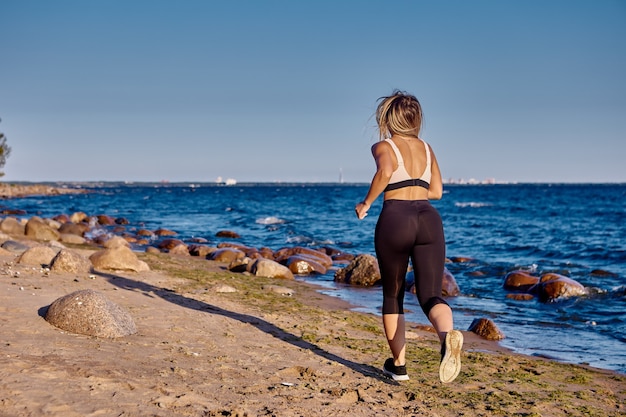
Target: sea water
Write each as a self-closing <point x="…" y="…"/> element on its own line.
<point x="576" y="230"/>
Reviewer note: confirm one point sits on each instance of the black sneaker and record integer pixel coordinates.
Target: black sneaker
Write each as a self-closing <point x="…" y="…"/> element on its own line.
<point x="397" y="373"/>
<point x="451" y="356"/>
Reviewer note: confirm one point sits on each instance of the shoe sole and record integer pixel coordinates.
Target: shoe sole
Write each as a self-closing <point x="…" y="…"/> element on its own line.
<point x="394" y="376"/>
<point x="450" y="366"/>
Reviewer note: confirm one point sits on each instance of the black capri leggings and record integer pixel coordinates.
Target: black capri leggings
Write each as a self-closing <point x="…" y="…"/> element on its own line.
<point x="410" y="229"/>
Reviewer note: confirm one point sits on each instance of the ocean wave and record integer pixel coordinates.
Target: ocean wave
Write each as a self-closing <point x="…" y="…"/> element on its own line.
<point x="472" y="204"/>
<point x="270" y="220"/>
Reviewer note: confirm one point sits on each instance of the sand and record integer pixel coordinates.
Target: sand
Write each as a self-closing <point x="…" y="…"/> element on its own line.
<point x="254" y="352"/>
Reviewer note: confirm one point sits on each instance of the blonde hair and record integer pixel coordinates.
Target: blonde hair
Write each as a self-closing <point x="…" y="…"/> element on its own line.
<point x="399" y="113"/>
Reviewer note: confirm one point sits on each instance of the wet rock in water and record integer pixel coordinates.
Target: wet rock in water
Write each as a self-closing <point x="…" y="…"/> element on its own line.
<point x="14" y="246"/>
<point x="267" y="268"/>
<point x="120" y="258"/>
<point x="603" y="273"/>
<point x="486" y="329"/>
<point x="554" y="286"/>
<point x="228" y="233"/>
<point x="282" y="255"/>
<point x="70" y="261"/>
<point x="12" y="226"/>
<point x="90" y="313"/>
<point x="519" y="281"/>
<point x="36" y="228"/>
<point x="105" y="220"/>
<point x="520" y="297"/>
<point x="165" y="232"/>
<point x="227" y="255"/>
<point x="37" y="255"/>
<point x="449" y="286"/>
<point x="304" y="265"/>
<point x="363" y="271"/>
<point x="145" y="233"/>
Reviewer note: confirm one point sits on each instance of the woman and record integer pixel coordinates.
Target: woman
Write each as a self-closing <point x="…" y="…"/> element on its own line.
<point x="409" y="227"/>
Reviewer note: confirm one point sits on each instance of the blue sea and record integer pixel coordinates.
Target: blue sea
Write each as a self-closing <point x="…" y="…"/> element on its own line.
<point x="575" y="230"/>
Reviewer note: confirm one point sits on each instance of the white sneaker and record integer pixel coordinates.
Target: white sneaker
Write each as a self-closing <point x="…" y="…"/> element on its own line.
<point x="451" y="358"/>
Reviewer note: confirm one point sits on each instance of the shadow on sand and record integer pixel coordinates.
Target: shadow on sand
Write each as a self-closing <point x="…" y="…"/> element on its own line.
<point x="264" y="326"/>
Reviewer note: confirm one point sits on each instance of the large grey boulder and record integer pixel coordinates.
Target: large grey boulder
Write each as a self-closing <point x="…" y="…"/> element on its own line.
<point x="70" y="261"/>
<point x="91" y="313"/>
<point x="37" y="255"/>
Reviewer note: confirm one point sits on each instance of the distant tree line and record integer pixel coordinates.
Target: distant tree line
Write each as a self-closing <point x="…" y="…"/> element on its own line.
<point x="5" y="151"/>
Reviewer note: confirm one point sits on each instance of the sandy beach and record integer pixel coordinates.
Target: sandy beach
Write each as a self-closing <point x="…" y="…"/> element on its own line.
<point x="254" y="352"/>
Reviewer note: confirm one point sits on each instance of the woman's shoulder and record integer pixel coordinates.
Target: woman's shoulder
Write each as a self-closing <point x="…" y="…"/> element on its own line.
<point x="381" y="146"/>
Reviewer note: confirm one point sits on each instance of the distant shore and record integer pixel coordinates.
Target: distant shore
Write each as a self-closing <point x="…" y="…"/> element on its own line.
<point x="11" y="190"/>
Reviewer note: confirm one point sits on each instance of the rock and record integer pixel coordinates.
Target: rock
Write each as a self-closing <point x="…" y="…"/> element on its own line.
<point x="72" y="239"/>
<point x="145" y="233"/>
<point x="282" y="255"/>
<point x="201" y="250"/>
<point x="169" y="243"/>
<point x="223" y="288"/>
<point x="241" y="265"/>
<point x="228" y="233"/>
<point x="120" y="258"/>
<point x="363" y="271"/>
<point x="78" y="217"/>
<point x="37" y="255"/>
<point x="449" y="287"/>
<point x="70" y="261"/>
<point x="486" y="329"/>
<point x="105" y="220"/>
<point x="278" y="289"/>
<point x="90" y="313"/>
<point x="122" y="220"/>
<point x="75" y="229"/>
<point x="14" y="246"/>
<point x="152" y="249"/>
<point x="12" y="226"/>
<point x="115" y="242"/>
<point x="181" y="249"/>
<point x="267" y="268"/>
<point x="519" y="281"/>
<point x="227" y="255"/>
<point x="37" y="229"/>
<point x="554" y="286"/>
<point x="520" y="297"/>
<point x="304" y="265"/>
<point x="165" y="232"/>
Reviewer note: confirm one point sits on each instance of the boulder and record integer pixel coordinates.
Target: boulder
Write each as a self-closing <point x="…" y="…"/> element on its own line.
<point x="12" y="226"/>
<point x="115" y="241"/>
<point x="228" y="233"/>
<point x="519" y="281"/>
<point x="227" y="255"/>
<point x="449" y="287"/>
<point x="201" y="250"/>
<point x="169" y="243"/>
<point x="70" y="261"/>
<point x="304" y="265"/>
<point x="181" y="249"/>
<point x="90" y="313"/>
<point x="165" y="232"/>
<point x="363" y="271"/>
<point x="120" y="258"/>
<point x="14" y="246"/>
<point x="78" y="217"/>
<point x="72" y="239"/>
<point x="105" y="220"/>
<point x="282" y="255"/>
<point x="554" y="286"/>
<point x="73" y="228"/>
<point x="267" y="268"/>
<point x="37" y="255"/>
<point x="486" y="329"/>
<point x="37" y="229"/>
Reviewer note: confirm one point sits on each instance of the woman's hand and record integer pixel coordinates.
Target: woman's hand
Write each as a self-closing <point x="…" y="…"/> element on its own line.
<point x="361" y="210"/>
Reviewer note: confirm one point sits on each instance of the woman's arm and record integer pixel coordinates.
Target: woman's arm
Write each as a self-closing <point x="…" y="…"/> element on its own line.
<point x="435" y="191"/>
<point x="381" y="152"/>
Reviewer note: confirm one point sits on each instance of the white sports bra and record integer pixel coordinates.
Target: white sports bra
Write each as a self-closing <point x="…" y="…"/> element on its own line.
<point x="400" y="178"/>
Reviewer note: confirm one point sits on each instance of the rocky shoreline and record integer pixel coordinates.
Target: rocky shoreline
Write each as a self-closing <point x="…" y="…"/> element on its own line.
<point x="216" y="336"/>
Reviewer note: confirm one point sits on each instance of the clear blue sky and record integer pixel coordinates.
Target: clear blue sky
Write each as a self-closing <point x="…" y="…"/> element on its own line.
<point x="530" y="91"/>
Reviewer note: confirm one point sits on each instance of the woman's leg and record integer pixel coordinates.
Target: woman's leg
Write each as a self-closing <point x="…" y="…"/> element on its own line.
<point x="441" y="318"/>
<point x="394" y="330"/>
